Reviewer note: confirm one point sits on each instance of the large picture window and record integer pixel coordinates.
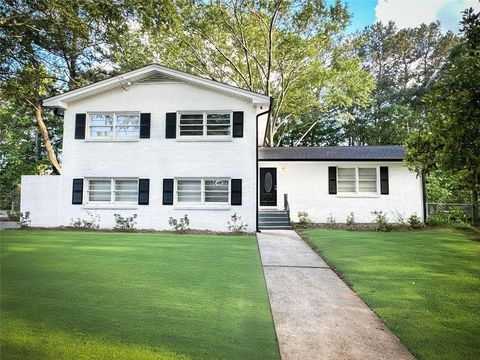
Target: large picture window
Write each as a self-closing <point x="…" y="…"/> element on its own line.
<point x="113" y="125"/>
<point x="357" y="180"/>
<point x="112" y="191"/>
<point x="203" y="125"/>
<point x="203" y="191"/>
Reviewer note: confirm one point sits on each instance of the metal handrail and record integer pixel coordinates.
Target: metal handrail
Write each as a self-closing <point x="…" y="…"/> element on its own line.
<point x="286" y="205"/>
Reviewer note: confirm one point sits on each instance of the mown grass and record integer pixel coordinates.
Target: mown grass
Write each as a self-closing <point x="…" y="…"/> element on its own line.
<point x="91" y="295"/>
<point x="424" y="285"/>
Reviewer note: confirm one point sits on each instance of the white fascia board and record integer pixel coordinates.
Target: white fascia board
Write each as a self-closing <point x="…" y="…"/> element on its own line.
<point x="61" y="100"/>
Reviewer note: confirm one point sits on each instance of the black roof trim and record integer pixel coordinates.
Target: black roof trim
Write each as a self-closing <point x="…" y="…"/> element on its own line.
<point x="362" y="160"/>
<point x="336" y="153"/>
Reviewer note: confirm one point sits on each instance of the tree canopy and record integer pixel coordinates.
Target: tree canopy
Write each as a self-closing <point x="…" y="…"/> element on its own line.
<point x="449" y="137"/>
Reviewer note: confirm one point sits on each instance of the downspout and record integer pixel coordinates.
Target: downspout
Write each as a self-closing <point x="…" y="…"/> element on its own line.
<point x="424" y="198"/>
<point x="256" y="150"/>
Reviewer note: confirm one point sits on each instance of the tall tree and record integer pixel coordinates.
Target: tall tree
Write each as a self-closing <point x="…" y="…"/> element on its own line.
<point x="403" y="63"/>
<point x="285" y="49"/>
<point x="449" y="138"/>
<point x="64" y="41"/>
<point x="52" y="45"/>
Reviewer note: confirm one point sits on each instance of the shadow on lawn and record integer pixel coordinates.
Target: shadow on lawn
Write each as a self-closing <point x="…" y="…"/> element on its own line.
<point x="190" y="295"/>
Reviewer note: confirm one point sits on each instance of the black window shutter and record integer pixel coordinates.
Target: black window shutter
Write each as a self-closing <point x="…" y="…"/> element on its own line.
<point x="332" y="179"/>
<point x="77" y="192"/>
<point x="167" y="191"/>
<point x="80" y="123"/>
<point x="145" y="126"/>
<point x="384" y="190"/>
<point x="236" y="196"/>
<point x="238" y="124"/>
<point x="143" y="191"/>
<point x="171" y="126"/>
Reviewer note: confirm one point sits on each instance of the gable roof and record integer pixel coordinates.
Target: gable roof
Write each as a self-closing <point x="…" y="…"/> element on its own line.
<point x="338" y="153"/>
<point x="154" y="71"/>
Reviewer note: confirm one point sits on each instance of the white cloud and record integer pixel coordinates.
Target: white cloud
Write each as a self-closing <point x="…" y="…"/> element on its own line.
<point x="411" y="13"/>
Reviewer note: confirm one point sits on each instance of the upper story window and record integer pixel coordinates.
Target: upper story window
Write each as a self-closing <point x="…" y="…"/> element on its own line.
<point x="205" y="125"/>
<point x="199" y="191"/>
<point x="112" y="191"/>
<point x="357" y="180"/>
<point x="113" y="125"/>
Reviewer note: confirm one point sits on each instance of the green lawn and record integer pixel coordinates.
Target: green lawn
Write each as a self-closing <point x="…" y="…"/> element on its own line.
<point x="424" y="285"/>
<point x="87" y="295"/>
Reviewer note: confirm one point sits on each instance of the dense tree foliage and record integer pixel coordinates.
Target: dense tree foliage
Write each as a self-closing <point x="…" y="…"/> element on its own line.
<point x="449" y="137"/>
<point x="290" y="50"/>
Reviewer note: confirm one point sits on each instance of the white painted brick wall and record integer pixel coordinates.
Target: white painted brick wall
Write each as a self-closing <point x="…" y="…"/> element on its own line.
<point x="41" y="196"/>
<point x="306" y="183"/>
<point x="155" y="158"/>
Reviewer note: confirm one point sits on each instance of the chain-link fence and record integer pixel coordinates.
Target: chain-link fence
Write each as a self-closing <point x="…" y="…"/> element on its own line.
<point x="434" y="209"/>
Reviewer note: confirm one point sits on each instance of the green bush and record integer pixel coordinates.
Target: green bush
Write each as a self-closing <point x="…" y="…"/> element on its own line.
<point x="303" y="219"/>
<point x="127" y="223"/>
<point x="24" y="220"/>
<point x="351" y="220"/>
<point x="179" y="225"/>
<point x="92" y="224"/>
<point x="381" y="221"/>
<point x="236" y="225"/>
<point x="414" y="221"/>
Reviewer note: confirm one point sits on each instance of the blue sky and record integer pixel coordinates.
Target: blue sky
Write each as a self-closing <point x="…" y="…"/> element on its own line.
<point x="407" y="13"/>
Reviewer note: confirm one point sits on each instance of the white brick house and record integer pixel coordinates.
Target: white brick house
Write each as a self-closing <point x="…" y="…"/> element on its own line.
<point x="161" y="143"/>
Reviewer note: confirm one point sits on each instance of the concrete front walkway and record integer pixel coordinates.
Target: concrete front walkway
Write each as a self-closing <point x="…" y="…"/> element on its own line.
<point x="316" y="315"/>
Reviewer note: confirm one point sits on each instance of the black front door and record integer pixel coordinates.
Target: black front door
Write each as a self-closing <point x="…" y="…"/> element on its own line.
<point x="268" y="186"/>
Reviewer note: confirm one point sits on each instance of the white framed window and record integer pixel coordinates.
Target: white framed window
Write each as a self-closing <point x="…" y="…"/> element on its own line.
<point x="113" y="125"/>
<point x="205" y="125"/>
<point x="202" y="191"/>
<point x="111" y="191"/>
<point x="357" y="180"/>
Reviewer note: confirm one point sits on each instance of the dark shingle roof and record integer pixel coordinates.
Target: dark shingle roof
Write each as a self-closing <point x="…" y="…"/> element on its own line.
<point x="345" y="153"/>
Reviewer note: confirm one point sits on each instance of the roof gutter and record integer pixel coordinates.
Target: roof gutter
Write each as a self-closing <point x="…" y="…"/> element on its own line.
<point x="256" y="162"/>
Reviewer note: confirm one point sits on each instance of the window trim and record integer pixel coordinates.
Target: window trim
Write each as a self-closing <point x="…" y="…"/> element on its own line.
<point x="357" y="182"/>
<point x="204" y="136"/>
<point x="202" y="202"/>
<point x="112" y="202"/>
<point x="114" y="115"/>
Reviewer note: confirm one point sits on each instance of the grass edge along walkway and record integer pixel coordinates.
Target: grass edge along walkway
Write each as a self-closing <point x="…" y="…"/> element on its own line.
<point x="424" y="285"/>
<point x="90" y="295"/>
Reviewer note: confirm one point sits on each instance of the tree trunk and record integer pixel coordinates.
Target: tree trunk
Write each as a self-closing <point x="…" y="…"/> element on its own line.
<point x="46" y="139"/>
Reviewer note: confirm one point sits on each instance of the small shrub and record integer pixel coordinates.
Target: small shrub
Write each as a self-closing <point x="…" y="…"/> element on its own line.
<point x="457" y="216"/>
<point x="414" y="221"/>
<point x="331" y="219"/>
<point x="24" y="219"/>
<point x="236" y="224"/>
<point x="91" y="224"/>
<point x="440" y="219"/>
<point x="351" y="220"/>
<point x="381" y="221"/>
<point x="303" y="219"/>
<point x="179" y="225"/>
<point x="127" y="223"/>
